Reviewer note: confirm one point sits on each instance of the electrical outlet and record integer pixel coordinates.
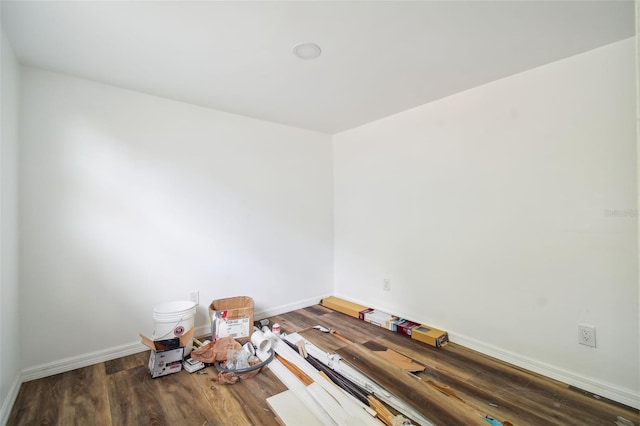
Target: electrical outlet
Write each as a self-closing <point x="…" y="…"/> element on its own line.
<point x="386" y="284"/>
<point x="587" y="335"/>
<point x="194" y="296"/>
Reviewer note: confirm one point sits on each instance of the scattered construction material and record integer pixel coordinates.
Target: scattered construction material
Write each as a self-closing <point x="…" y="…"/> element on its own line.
<point x="431" y="403"/>
<point x="335" y="362"/>
<point x="430" y="336"/>
<point x="166" y="355"/>
<point x="379" y="318"/>
<point x="336" y="405"/>
<point x="332" y="332"/>
<point x="174" y="319"/>
<point x="260" y="341"/>
<point x="406" y="327"/>
<point x="423" y="333"/>
<point x="191" y="365"/>
<point x="232" y="317"/>
<point x="344" y="306"/>
<point x="234" y="371"/>
<point x="387" y="416"/>
<point x="291" y="411"/>
<point x="621" y="421"/>
<point x="215" y="351"/>
<point x="337" y="378"/>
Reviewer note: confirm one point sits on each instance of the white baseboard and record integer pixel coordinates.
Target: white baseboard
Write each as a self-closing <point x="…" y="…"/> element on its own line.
<point x="607" y="390"/>
<point x="624" y="396"/>
<point x="289" y="307"/>
<point x="84" y="360"/>
<point x="10" y="399"/>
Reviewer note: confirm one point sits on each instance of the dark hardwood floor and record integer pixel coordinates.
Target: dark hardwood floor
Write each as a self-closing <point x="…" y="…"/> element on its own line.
<point x="121" y="392"/>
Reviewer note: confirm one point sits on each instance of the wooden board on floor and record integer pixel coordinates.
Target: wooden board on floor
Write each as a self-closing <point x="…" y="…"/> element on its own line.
<point x="124" y="389"/>
<point x="291" y="411"/>
<point x="431" y="403"/>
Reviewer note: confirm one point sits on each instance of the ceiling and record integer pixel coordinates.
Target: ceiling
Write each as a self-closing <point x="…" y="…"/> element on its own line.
<point x="378" y="57"/>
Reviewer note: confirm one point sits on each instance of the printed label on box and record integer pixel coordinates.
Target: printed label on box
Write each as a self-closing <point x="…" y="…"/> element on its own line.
<point x="236" y="328"/>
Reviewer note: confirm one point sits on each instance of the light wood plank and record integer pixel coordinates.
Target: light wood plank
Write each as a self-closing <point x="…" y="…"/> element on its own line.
<point x="291" y="411"/>
<point x="125" y="390"/>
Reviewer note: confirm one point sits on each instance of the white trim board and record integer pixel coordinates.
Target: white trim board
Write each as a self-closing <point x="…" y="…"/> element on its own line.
<point x="80" y="361"/>
<point x="10" y="399"/>
<point x="616" y="393"/>
<point x="624" y="396"/>
<point x="289" y="307"/>
<point x="87" y="359"/>
<point x="91" y="358"/>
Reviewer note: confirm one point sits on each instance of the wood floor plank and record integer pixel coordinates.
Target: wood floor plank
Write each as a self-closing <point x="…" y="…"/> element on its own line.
<point x="37" y="403"/>
<point x="243" y="402"/>
<point x="127" y="362"/>
<point x="481" y="380"/>
<point x="318" y="310"/>
<point x="352" y="328"/>
<point x="441" y="409"/>
<point x="122" y="392"/>
<point x="254" y="393"/>
<point x="180" y="404"/>
<point x="296" y="320"/>
<point x="132" y="398"/>
<point x="223" y="399"/>
<point x="84" y="397"/>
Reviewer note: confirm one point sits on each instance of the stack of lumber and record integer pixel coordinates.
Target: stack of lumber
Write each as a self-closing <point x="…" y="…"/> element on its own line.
<point x="311" y="399"/>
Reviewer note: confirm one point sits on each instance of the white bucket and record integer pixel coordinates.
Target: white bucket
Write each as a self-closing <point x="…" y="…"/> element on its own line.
<point x="173" y="320"/>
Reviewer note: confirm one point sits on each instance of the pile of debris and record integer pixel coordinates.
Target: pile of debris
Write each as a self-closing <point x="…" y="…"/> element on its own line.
<point x="323" y="387"/>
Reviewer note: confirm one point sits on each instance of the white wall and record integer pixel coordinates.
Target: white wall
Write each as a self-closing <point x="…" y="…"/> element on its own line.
<point x="507" y="215"/>
<point x="9" y="315"/>
<point x="129" y="201"/>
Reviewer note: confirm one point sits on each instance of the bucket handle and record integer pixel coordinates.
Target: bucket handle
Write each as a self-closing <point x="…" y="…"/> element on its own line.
<point x="170" y="332"/>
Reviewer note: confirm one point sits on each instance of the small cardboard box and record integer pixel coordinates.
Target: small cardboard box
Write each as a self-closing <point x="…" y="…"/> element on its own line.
<point x="232" y="317"/>
<point x="348" y="308"/>
<point x="431" y="336"/>
<point x="165" y="362"/>
<point x="379" y="318"/>
<point x="166" y="355"/>
<point x="406" y="327"/>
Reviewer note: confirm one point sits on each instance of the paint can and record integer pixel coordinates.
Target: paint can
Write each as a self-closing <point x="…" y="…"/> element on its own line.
<point x="174" y="319"/>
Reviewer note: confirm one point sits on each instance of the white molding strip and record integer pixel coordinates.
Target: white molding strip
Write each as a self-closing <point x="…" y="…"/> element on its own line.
<point x="613" y="392"/>
<point x="83" y="360"/>
<point x="622" y="395"/>
<point x="10" y="399"/>
<point x="289" y="307"/>
<point x="616" y="393"/>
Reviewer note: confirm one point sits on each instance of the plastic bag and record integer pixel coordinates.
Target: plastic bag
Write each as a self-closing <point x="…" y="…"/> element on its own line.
<point x="216" y="351"/>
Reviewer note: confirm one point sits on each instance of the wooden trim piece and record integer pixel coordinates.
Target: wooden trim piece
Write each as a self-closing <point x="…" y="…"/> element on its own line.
<point x="290" y="410"/>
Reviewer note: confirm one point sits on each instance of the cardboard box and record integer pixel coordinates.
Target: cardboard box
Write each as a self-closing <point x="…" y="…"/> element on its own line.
<point x="166" y="355"/>
<point x="165" y="362"/>
<point x="348" y="308"/>
<point x="417" y="331"/>
<point x="405" y="327"/>
<point x="379" y="318"/>
<point x="431" y="336"/>
<point x="232" y="317"/>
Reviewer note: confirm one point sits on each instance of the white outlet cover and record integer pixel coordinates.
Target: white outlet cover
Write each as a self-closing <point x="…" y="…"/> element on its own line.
<point x="587" y="335"/>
